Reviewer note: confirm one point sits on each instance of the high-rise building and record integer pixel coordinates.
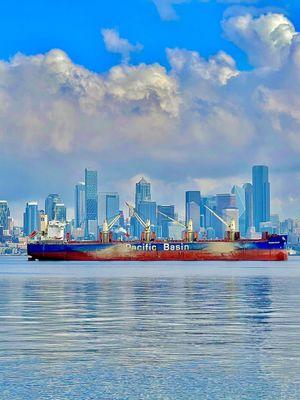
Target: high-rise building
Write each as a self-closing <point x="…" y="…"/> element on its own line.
<point x="164" y="221"/>
<point x="4" y="214"/>
<point x="109" y="206"/>
<point x="142" y="191"/>
<point x="60" y="212"/>
<point x="206" y="215"/>
<point x="31" y="218"/>
<point x="248" y="207"/>
<point x="146" y="210"/>
<point x="261" y="195"/>
<point x="193" y="208"/>
<point x="91" y="203"/>
<point x="50" y="202"/>
<point x="79" y="205"/>
<point x="239" y="192"/>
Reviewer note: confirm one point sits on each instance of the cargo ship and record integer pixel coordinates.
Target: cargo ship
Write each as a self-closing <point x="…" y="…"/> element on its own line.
<point x="148" y="248"/>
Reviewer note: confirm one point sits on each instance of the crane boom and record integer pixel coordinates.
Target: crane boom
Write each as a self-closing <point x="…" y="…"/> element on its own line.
<point x="113" y="221"/>
<point x="172" y="219"/>
<point x="136" y="215"/>
<point x="217" y="216"/>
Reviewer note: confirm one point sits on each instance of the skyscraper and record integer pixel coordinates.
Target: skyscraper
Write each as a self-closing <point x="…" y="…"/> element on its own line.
<point x="4" y="214"/>
<point x="208" y="218"/>
<point x="248" y="207"/>
<point x="60" y="212"/>
<point x="142" y="193"/>
<point x="146" y="210"/>
<point x="261" y="195"/>
<point x="164" y="221"/>
<point x="50" y="202"/>
<point x="193" y="208"/>
<point x="109" y="206"/>
<point x="91" y="203"/>
<point x="239" y="192"/>
<point x="31" y="218"/>
<point x="79" y="205"/>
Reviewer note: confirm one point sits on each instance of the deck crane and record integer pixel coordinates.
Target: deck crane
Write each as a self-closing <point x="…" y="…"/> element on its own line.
<point x="145" y="224"/>
<point x="106" y="227"/>
<point x="231" y="226"/>
<point x="189" y="229"/>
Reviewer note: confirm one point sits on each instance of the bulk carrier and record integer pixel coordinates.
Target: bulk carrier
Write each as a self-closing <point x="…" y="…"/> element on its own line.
<point x="53" y="246"/>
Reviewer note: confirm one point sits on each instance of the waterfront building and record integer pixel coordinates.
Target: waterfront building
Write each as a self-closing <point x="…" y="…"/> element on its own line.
<point x="164" y="221"/>
<point x="248" y="208"/>
<point x="193" y="208"/>
<point x="109" y="206"/>
<point x="50" y="203"/>
<point x="79" y="205"/>
<point x="261" y="195"/>
<point x="60" y="212"/>
<point x="4" y="214"/>
<point x="31" y="218"/>
<point x="239" y="192"/>
<point x="91" y="203"/>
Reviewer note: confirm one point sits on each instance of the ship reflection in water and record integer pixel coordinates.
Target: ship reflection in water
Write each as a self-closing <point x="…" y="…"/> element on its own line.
<point x="159" y="331"/>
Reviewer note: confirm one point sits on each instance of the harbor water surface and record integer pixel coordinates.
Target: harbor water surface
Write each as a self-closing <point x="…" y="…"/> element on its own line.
<point x="116" y="331"/>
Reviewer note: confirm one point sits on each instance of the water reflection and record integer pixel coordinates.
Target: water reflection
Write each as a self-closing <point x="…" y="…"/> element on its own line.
<point x="233" y="323"/>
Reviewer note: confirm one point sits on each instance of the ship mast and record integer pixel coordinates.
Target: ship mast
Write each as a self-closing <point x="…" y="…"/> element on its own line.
<point x="106" y="227"/>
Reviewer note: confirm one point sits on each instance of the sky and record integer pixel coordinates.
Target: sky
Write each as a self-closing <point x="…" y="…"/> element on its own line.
<point x="188" y="93"/>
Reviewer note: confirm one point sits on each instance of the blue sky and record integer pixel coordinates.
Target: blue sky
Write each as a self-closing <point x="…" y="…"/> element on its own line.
<point x="35" y="26"/>
<point x="189" y="93"/>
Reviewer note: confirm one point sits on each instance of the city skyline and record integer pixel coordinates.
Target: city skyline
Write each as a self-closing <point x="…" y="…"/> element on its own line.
<point x="161" y="195"/>
<point x="92" y="205"/>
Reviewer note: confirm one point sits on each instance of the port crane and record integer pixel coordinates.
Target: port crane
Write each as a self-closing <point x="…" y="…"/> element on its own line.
<point x="231" y="226"/>
<point x="145" y="224"/>
<point x="106" y="227"/>
<point x="189" y="229"/>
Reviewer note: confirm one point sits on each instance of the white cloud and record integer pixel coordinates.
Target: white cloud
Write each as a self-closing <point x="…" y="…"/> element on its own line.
<point x="266" y="39"/>
<point x="166" y="8"/>
<point x="196" y="126"/>
<point x="115" y="44"/>
<point x="217" y="69"/>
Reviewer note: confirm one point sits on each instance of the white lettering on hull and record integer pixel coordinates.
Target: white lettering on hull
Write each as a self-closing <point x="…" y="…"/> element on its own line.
<point x="154" y="247"/>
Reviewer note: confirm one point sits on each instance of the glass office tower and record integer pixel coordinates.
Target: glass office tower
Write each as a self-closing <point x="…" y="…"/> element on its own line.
<point x="261" y="195"/>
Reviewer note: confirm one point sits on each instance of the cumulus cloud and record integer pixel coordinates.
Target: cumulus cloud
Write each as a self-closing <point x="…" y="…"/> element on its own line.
<point x="202" y="120"/>
<point x="115" y="44"/>
<point x="166" y="8"/>
<point x="266" y="39"/>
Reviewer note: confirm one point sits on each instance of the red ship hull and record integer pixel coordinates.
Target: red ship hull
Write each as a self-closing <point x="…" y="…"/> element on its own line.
<point x="269" y="250"/>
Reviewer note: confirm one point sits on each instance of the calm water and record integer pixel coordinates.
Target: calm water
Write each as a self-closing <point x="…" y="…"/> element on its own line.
<point x="149" y="331"/>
